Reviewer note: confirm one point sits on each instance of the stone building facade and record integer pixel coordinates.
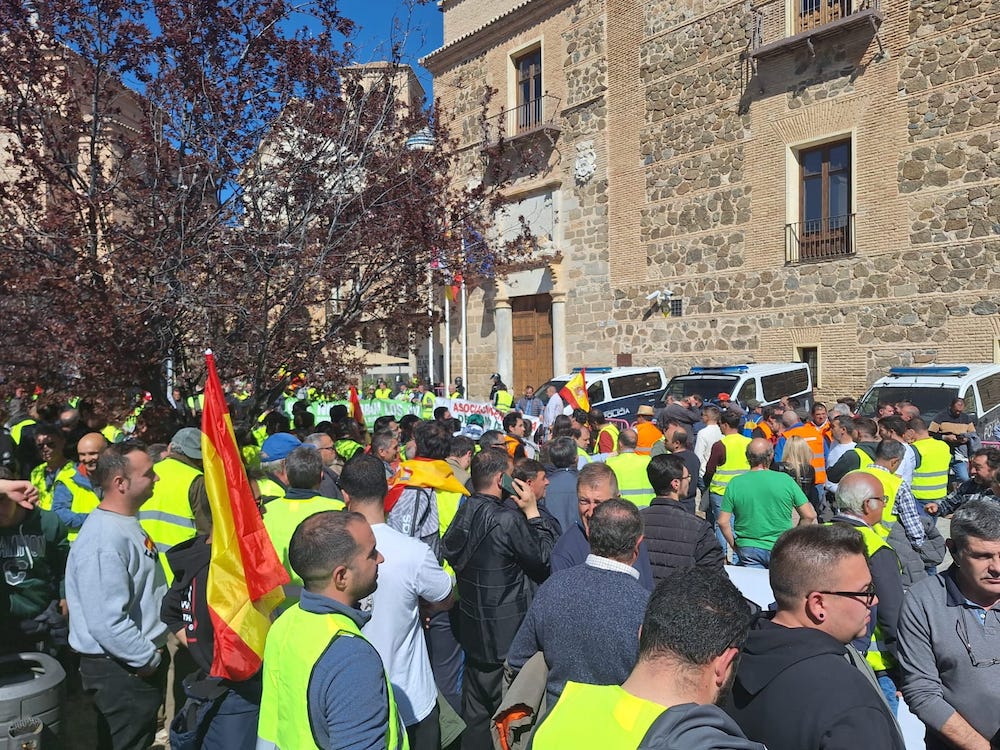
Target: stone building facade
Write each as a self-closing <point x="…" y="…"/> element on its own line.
<point x="798" y="179"/>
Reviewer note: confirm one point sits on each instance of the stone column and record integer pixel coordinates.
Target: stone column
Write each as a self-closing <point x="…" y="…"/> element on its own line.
<point x="559" y="366"/>
<point x="503" y="318"/>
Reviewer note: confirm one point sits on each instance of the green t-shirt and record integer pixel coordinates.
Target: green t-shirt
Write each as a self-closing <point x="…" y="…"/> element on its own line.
<point x="761" y="503"/>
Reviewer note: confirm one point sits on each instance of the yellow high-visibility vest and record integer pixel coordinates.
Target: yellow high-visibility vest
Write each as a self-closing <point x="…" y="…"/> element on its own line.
<point x="735" y="464"/>
<point x="596" y="716"/>
<point x="295" y="643"/>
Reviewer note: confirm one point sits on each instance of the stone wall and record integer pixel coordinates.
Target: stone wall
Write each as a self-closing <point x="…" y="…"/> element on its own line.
<point x="705" y="174"/>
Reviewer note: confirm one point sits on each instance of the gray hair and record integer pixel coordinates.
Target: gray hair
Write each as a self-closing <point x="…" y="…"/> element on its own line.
<point x="596" y="472"/>
<point x="840" y="410"/>
<point x="615" y="529"/>
<point x="853" y="492"/>
<point x="890" y="449"/>
<point x="305" y="468"/>
<point x="272" y="467"/>
<point x="978" y="518"/>
<point x="316" y="439"/>
<point x="760" y="457"/>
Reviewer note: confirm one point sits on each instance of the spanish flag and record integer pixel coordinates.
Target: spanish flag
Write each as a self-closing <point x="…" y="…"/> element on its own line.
<point x="356" y="412"/>
<point x="574" y="392"/>
<point x="245" y="575"/>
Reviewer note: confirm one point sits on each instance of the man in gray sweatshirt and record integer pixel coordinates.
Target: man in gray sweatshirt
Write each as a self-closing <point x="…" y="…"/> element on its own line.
<point x="949" y="637"/>
<point x="114" y="586"/>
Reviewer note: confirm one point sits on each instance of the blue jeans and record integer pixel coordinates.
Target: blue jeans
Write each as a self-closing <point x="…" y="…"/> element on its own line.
<point x="961" y="470"/>
<point x="889" y="691"/>
<point x="714" y="508"/>
<point x="755" y="557"/>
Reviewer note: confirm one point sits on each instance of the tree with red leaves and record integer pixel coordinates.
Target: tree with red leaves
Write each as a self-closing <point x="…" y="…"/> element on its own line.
<point x="179" y="175"/>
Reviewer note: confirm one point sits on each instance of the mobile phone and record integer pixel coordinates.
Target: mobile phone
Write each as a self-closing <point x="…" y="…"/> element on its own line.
<point x="507" y="484"/>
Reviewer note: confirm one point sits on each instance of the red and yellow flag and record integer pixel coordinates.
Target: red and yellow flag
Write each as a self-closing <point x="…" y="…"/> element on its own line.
<point x="245" y="576"/>
<point x="356" y="412"/>
<point x="574" y="392"/>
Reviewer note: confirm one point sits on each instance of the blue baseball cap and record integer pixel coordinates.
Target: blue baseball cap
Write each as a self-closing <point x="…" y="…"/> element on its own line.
<point x="278" y="446"/>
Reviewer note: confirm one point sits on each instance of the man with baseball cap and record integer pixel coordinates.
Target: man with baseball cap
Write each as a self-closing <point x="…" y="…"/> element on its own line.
<point x="178" y="509"/>
<point x="273" y="453"/>
<point x="646" y="430"/>
<point x="726" y="403"/>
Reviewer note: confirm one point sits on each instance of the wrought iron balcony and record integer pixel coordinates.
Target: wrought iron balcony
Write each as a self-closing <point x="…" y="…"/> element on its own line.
<point x="539" y="115"/>
<point x="810" y="19"/>
<point x="820" y="239"/>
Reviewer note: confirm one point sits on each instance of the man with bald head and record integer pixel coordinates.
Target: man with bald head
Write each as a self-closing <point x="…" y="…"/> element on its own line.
<point x="74" y="497"/>
<point x="757" y="507"/>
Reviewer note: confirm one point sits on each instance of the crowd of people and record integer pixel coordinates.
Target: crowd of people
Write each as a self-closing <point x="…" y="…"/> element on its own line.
<point x="562" y="585"/>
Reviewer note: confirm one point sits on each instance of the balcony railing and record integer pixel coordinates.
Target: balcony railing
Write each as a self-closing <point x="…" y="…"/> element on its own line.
<point x="819" y="239"/>
<point x="811" y="19"/>
<point x="534" y="116"/>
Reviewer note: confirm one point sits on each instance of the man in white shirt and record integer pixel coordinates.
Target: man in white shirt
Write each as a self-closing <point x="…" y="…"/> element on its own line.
<point x="843" y="441"/>
<point x="411" y="586"/>
<point x="708" y="436"/>
<point x="553" y="408"/>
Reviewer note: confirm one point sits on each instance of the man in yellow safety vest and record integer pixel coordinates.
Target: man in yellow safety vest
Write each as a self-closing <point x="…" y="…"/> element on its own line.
<point x="178" y="509"/>
<point x="74" y="497"/>
<point x="860" y="502"/>
<point x="691" y="636"/>
<point x="316" y="654"/>
<point x="630" y="468"/>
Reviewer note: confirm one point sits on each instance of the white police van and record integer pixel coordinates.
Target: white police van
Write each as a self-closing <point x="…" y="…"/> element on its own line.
<point x="765" y="381"/>
<point x="616" y="391"/>
<point x="932" y="388"/>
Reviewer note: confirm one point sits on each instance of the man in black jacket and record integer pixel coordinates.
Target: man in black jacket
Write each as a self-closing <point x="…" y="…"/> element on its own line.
<point x="500" y="551"/>
<point x="800" y="685"/>
<point x="676" y="538"/>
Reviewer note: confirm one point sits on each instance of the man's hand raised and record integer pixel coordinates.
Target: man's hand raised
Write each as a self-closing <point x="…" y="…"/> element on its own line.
<point x="525" y="499"/>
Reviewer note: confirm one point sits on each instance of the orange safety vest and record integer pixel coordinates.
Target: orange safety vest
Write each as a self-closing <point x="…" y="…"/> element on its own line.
<point x="647" y="434"/>
<point x="814" y="436"/>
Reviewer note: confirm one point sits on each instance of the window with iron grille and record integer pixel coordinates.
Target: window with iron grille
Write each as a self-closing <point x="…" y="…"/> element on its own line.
<point x="825" y="228"/>
<point x="529" y="89"/>
<point x="676" y="308"/>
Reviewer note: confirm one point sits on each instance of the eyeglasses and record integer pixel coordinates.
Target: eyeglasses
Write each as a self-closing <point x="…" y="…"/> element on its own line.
<point x="866" y="597"/>
<point x="963" y="635"/>
<point x="592" y="503"/>
<point x="45" y="443"/>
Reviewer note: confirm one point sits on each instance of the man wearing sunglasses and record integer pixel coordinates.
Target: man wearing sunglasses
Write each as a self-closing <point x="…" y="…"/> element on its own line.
<point x="949" y="637"/>
<point x="800" y="684"/>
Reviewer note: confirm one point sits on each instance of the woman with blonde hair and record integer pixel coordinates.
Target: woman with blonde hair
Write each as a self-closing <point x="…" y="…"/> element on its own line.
<point x="796" y="461"/>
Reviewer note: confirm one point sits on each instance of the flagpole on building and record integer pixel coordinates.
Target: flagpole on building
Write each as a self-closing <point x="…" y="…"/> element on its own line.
<point x="447" y="343"/>
<point x="465" y="344"/>
<point x="430" y="329"/>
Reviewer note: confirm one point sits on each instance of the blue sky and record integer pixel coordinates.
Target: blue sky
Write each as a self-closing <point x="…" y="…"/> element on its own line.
<point x="379" y="20"/>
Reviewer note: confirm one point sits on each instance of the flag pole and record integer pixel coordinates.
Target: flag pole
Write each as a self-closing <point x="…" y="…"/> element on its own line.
<point x="447" y="343"/>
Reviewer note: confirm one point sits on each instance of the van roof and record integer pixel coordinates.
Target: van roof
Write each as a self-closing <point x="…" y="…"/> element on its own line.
<point x="956" y="374"/>
<point x="609" y="371"/>
<point x="750" y="368"/>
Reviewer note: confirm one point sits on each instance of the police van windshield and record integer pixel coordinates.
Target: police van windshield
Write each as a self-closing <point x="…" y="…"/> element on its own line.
<point x="930" y="401"/>
<point x="706" y="386"/>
